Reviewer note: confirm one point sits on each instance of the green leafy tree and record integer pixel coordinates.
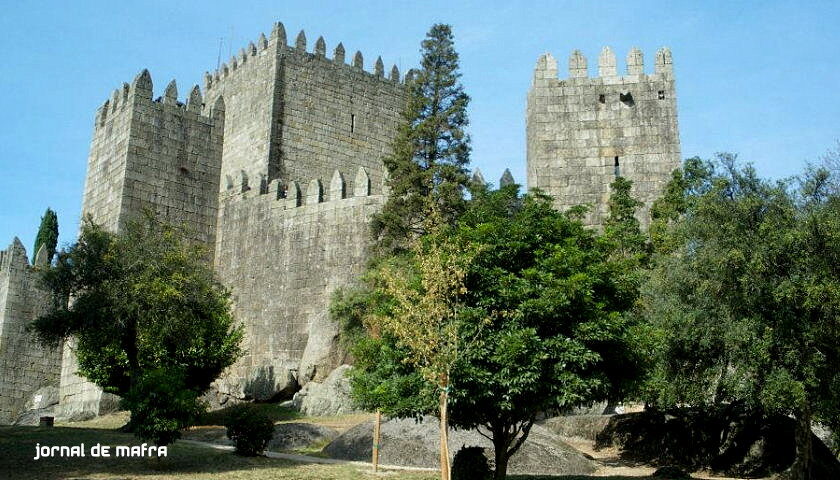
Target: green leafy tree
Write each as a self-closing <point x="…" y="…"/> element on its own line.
<point x="431" y="151"/>
<point x="541" y="315"/>
<point x="546" y="303"/>
<point x="143" y="300"/>
<point x="47" y="234"/>
<point x="746" y="299"/>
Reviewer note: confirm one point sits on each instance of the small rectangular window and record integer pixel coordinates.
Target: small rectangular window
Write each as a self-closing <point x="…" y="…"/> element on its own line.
<point x="662" y="94"/>
<point x="617" y="168"/>
<point x="602" y="98"/>
<point x="352" y="123"/>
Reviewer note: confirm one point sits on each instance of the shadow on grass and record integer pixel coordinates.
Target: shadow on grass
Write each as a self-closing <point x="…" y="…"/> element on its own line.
<point x="185" y="461"/>
<point x="18" y="444"/>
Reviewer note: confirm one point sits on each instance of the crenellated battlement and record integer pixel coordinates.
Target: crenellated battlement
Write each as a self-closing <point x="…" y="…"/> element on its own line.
<point x="14" y="256"/>
<point x="585" y="131"/>
<point x="276" y="44"/>
<point x="298" y="195"/>
<point x="546" y="70"/>
<point x="141" y="90"/>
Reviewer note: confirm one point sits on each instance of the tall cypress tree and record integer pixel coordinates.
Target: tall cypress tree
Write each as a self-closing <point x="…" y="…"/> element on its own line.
<point x="431" y="150"/>
<point x="47" y="234"/>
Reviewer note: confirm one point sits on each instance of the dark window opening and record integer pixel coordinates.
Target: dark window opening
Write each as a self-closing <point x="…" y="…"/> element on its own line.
<point x="184" y="171"/>
<point x="602" y="98"/>
<point x="352" y="123"/>
<point x="627" y="99"/>
<point x="662" y="94"/>
<point x="617" y="168"/>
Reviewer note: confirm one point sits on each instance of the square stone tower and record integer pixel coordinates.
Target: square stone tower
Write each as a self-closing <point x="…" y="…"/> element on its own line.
<point x="583" y="132"/>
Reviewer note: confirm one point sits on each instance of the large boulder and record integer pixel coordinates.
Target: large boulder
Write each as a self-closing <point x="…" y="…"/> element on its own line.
<point x="42" y="403"/>
<point x="293" y="436"/>
<point x="323" y="352"/>
<point x="729" y="440"/>
<point x="586" y="427"/>
<point x="408" y="443"/>
<point x="331" y="397"/>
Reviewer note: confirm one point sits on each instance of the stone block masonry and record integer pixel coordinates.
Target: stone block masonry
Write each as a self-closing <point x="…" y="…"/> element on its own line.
<point x="235" y="166"/>
<point x="277" y="168"/>
<point x="582" y="132"/>
<point x="283" y="258"/>
<point x="25" y="365"/>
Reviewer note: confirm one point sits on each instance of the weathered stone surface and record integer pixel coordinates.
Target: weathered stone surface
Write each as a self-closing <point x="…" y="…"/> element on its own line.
<point x="331" y="397"/>
<point x="292" y="436"/>
<point x="275" y="116"/>
<point x="581" y="426"/>
<point x="584" y="131"/>
<point x="405" y="442"/>
<point x="25" y="365"/>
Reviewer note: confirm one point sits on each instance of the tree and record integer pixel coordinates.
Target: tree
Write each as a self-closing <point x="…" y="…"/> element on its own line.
<point x="143" y="300"/>
<point x="47" y="234"/>
<point x="431" y="150"/>
<point x="540" y="313"/>
<point x="747" y="302"/>
<point x="424" y="292"/>
<point x="557" y="337"/>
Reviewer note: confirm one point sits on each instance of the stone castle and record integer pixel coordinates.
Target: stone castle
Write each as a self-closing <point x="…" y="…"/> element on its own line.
<point x="277" y="168"/>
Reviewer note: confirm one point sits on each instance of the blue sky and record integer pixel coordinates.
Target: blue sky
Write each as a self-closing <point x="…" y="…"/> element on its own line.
<point x="759" y="78"/>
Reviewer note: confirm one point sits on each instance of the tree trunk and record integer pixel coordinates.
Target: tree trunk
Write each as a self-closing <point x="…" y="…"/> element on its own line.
<point x="444" y="436"/>
<point x="801" y="468"/>
<point x="500" y="452"/>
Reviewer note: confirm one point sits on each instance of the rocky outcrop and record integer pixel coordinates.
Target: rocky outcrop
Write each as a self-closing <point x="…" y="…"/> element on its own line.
<point x="294" y="436"/>
<point x="406" y="442"/>
<point x="730" y="440"/>
<point x="331" y="397"/>
<point x="586" y="427"/>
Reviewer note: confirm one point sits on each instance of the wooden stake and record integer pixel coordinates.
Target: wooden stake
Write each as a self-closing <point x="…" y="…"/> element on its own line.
<point x="376" y="431"/>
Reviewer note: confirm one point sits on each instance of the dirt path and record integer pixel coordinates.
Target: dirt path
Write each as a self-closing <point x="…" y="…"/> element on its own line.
<point x="613" y="465"/>
<point x="294" y="457"/>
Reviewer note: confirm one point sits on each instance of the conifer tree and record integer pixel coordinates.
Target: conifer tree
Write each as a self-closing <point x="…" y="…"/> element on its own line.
<point x="47" y="234"/>
<point x="431" y="149"/>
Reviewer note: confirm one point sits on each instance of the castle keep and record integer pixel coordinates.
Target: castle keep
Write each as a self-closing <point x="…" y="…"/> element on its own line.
<point x="276" y="166"/>
<point x="583" y="132"/>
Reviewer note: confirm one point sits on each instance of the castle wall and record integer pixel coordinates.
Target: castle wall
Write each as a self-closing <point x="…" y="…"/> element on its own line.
<point x="579" y="128"/>
<point x="161" y="156"/>
<point x="248" y="85"/>
<point x="336" y="116"/>
<point x="294" y="115"/>
<point x="104" y="183"/>
<point x="25" y="366"/>
<point x="283" y="258"/>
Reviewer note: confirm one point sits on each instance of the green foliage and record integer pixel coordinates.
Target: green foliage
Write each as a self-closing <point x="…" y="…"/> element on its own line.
<point x="162" y="405"/>
<point x="542" y="313"/>
<point x="746" y="293"/>
<point x="431" y="149"/>
<point x="621" y="228"/>
<point x="470" y="463"/>
<point x="546" y="301"/>
<point x="250" y="430"/>
<point x="380" y="378"/>
<point x="47" y="234"/>
<point x="143" y="300"/>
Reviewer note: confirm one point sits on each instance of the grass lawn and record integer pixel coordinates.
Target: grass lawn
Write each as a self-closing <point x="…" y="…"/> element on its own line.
<point x="185" y="461"/>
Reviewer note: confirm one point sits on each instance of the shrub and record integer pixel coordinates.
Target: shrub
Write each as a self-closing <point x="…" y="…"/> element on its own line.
<point x="250" y="430"/>
<point x="161" y="406"/>
<point x="470" y="463"/>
